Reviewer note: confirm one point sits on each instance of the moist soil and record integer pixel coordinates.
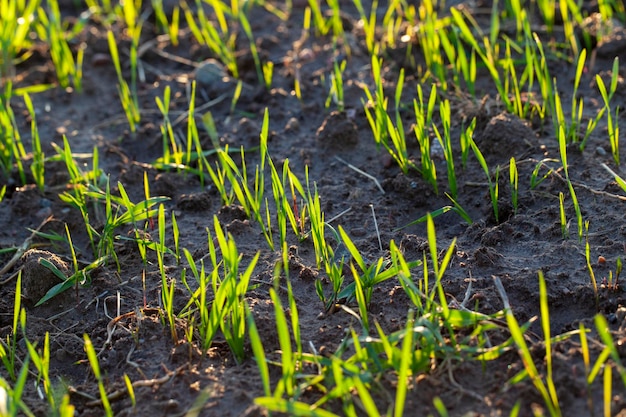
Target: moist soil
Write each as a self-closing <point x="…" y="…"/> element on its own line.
<point x="119" y="307"/>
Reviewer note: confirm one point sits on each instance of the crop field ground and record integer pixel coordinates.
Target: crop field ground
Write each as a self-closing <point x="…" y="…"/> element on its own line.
<point x="312" y="208"/>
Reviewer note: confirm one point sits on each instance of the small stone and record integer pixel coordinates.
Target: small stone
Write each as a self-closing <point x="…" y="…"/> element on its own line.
<point x="600" y="151"/>
<point x="293" y="125"/>
<point x="209" y="73"/>
<point x="43" y="213"/>
<point x="172" y="405"/>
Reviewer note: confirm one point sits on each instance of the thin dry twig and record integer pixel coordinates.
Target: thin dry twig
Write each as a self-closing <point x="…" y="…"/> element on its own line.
<point x="460" y="388"/>
<point x="380" y="243"/>
<point x="371" y="177"/>
<point x="115" y="320"/>
<point x="141" y="383"/>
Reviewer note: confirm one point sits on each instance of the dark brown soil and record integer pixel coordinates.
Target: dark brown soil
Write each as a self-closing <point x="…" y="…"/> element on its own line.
<point x="125" y="323"/>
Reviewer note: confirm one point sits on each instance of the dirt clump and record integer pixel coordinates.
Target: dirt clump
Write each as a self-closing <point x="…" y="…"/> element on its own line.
<point x="504" y="135"/>
<point x="37" y="278"/>
<point x="338" y="131"/>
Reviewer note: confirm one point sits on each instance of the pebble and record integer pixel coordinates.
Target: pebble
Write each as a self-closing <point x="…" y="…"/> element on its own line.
<point x="172" y="405"/>
<point x="209" y="73"/>
<point x="293" y="125"/>
<point x="43" y="213"/>
<point x="600" y="151"/>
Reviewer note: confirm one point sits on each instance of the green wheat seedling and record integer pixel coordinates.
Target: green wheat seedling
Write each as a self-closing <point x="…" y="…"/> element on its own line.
<point x="572" y="127"/>
<point x="612" y="120"/>
<point x="51" y="31"/>
<point x="80" y="182"/>
<point x="545" y="325"/>
<point x="466" y="137"/>
<point x="187" y="156"/>
<point x="524" y="108"/>
<point x="544" y="385"/>
<point x="488" y="53"/>
<point x="514" y="183"/>
<point x="369" y="25"/>
<point x="493" y="185"/>
<point x="424" y="294"/>
<point x="584" y="348"/>
<point x="142" y="238"/>
<point x="169" y="27"/>
<point x="287" y="383"/>
<point x="228" y="171"/>
<point x="377" y="117"/>
<point x="293" y="307"/>
<point x="592" y="275"/>
<point x="283" y="208"/>
<point x="320" y="24"/>
<point x="324" y="253"/>
<point x="193" y="137"/>
<point x="387" y="133"/>
<point x="171" y="152"/>
<point x="8" y="347"/>
<point x="438" y="268"/>
<point x="129" y="101"/>
<point x="455" y="207"/>
<point x="563" y="153"/>
<point x="300" y="210"/>
<point x="563" y="217"/>
<point x="423" y="122"/>
<point x="250" y="199"/>
<point x="87" y="190"/>
<point x="263" y="70"/>
<point x="207" y="326"/>
<point x="547" y="9"/>
<point x="41" y="361"/>
<point x="544" y="79"/>
<point x="95" y="367"/>
<point x="12" y="151"/>
<point x="167" y="288"/>
<point x="445" y="141"/>
<point x="13" y="404"/>
<point x="502" y="69"/>
<point x="217" y="37"/>
<point x="464" y="66"/>
<point x="535" y="178"/>
<point x="335" y="22"/>
<point x="259" y="352"/>
<point x="176" y="236"/>
<point x="135" y="39"/>
<point x="56" y="396"/>
<point x="16" y="20"/>
<point x="37" y="166"/>
<point x="130" y="12"/>
<point x="227" y="312"/>
<point x="602" y="328"/>
<point x="234" y="325"/>
<point x="570" y="17"/>
<point x="369" y="275"/>
<point x="119" y="211"/>
<point x="430" y="41"/>
<point x="335" y="95"/>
